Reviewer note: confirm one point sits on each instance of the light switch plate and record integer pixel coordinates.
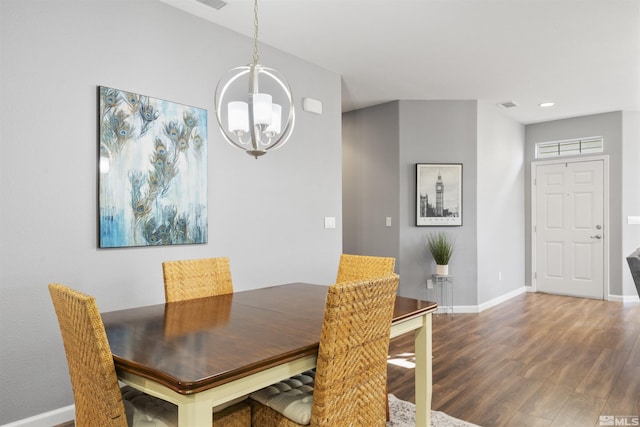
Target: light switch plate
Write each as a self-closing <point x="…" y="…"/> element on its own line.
<point x="633" y="220"/>
<point x="329" y="222"/>
<point x="388" y="221"/>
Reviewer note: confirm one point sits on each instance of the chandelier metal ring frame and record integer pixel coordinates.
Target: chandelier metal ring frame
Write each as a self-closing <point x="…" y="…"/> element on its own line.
<point x="254" y="146"/>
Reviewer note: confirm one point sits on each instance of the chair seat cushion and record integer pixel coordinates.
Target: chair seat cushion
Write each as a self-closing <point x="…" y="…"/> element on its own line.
<point x="292" y="397"/>
<point x="148" y="411"/>
<point x="144" y="410"/>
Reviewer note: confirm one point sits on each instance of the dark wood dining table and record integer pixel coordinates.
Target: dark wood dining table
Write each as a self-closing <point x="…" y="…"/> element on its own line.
<point x="205" y="352"/>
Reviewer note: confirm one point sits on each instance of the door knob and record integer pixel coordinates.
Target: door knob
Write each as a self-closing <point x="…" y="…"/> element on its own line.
<point x="597" y="236"/>
<point x="598" y="227"/>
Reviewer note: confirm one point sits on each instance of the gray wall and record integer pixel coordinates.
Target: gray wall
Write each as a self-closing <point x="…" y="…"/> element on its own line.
<point x="370" y="181"/>
<point x="438" y="132"/>
<point x="266" y="214"/>
<point x="497" y="155"/>
<point x="609" y="126"/>
<point x="382" y="144"/>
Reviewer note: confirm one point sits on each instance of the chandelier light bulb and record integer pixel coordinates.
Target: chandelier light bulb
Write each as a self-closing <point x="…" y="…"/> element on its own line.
<point x="262" y="109"/>
<point x="238" y="117"/>
<point x="276" y="121"/>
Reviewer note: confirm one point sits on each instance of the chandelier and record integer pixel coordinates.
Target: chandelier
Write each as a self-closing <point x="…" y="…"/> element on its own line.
<point x="253" y="120"/>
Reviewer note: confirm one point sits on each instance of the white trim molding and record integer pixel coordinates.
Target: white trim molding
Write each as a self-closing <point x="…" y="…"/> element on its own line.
<point x="458" y="309"/>
<point x="499" y="300"/>
<point x="47" y="419"/>
<point x="624" y="298"/>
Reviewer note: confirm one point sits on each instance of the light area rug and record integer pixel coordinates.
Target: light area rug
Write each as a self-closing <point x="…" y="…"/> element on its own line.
<point x="403" y="414"/>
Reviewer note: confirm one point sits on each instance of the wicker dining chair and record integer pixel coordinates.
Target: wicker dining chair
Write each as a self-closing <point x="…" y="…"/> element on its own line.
<point x="358" y="267"/>
<point x="99" y="400"/>
<point x="351" y="375"/>
<point x="196" y="278"/>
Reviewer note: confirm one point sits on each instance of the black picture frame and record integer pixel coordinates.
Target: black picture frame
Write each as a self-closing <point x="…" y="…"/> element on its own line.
<point x="438" y="194"/>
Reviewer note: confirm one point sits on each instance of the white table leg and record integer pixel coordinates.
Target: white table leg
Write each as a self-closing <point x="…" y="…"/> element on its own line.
<point x="423" y="349"/>
<point x="193" y="412"/>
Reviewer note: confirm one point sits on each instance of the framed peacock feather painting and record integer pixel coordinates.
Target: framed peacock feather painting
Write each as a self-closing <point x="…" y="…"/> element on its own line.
<point x="152" y="171"/>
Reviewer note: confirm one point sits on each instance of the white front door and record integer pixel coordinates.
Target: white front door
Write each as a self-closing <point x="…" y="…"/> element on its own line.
<point x="569" y="228"/>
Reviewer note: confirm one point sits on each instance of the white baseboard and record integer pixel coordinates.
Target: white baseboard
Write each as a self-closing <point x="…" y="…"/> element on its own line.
<point x="48" y="419"/>
<point x="502" y="298"/>
<point x="610" y="297"/>
<point x="465" y="309"/>
<point x="624" y="298"/>
<point x="491" y="303"/>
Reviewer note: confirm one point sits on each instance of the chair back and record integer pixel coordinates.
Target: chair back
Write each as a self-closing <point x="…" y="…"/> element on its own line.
<point x="351" y="374"/>
<point x="98" y="400"/>
<point x="197" y="278"/>
<point x="634" y="265"/>
<point x="359" y="267"/>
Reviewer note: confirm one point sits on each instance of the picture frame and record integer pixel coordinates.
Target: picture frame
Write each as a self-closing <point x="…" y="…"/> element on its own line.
<point x="438" y="194"/>
<point x="152" y="170"/>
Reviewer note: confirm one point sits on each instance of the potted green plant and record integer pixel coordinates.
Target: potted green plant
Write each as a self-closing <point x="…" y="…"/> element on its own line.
<point x="441" y="248"/>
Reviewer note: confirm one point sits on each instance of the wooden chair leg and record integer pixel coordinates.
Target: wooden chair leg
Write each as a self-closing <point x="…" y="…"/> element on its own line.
<point x="387" y="394"/>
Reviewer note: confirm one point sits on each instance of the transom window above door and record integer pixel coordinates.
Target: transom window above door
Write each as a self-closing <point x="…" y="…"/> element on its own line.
<point x="569" y="147"/>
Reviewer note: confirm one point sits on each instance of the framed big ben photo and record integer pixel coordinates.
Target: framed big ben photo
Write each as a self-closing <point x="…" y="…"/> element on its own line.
<point x="439" y="194"/>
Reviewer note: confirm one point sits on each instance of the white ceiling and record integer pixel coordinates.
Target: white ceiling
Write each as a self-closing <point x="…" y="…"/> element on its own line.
<point x="582" y="54"/>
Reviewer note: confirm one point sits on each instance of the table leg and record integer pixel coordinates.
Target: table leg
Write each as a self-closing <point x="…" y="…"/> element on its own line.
<point x="423" y="349"/>
<point x="194" y="413"/>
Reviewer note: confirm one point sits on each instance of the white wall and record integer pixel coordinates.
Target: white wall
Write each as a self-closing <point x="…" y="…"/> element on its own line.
<point x="500" y="203"/>
<point x="630" y="193"/>
<point x="266" y="214"/>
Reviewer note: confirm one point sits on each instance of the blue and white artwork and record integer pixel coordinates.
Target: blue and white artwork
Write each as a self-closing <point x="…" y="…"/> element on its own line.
<point x="153" y="171"/>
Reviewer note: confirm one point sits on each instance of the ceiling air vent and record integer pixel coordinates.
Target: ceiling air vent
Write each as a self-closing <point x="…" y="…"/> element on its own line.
<point x="508" y="104"/>
<point x="216" y="4"/>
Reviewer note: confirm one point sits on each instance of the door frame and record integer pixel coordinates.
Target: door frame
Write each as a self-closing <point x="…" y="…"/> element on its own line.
<point x="605" y="225"/>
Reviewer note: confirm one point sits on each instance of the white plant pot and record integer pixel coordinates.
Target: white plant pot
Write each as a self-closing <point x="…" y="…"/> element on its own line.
<point x="442" y="270"/>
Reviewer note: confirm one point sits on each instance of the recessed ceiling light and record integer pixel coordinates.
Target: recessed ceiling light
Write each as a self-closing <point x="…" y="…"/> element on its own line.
<point x="547" y="104"/>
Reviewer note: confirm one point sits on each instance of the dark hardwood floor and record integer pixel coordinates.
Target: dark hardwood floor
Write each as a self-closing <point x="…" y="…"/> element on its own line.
<point x="534" y="360"/>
